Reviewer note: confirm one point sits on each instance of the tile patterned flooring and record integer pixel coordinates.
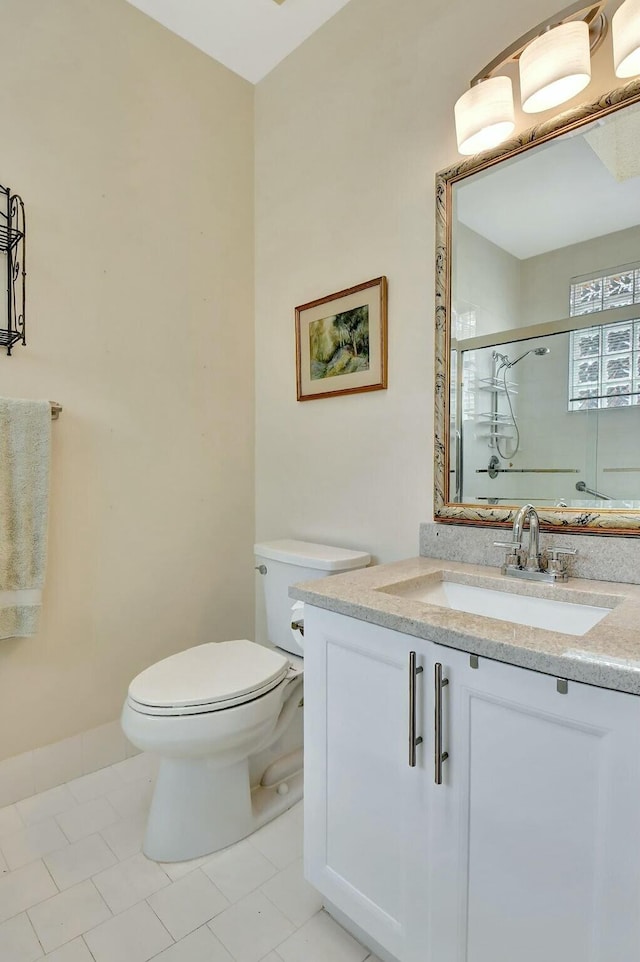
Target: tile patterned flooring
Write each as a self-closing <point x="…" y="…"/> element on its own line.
<point x="75" y="886"/>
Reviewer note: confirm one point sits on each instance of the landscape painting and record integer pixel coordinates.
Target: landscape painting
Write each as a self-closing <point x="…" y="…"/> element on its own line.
<point x="341" y="342"/>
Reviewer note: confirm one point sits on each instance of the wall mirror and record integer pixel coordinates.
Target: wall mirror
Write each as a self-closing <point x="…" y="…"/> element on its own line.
<point x="538" y="325"/>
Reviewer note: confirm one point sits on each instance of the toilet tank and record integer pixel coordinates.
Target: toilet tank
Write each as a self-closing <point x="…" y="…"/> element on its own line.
<point x="288" y="562"/>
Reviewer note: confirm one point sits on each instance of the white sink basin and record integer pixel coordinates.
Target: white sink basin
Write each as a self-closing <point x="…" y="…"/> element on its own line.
<point x="562" y="616"/>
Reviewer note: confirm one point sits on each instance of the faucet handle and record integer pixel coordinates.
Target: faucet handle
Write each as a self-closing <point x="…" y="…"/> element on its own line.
<point x="514" y="548"/>
<point x="555" y="565"/>
<point x="556" y="550"/>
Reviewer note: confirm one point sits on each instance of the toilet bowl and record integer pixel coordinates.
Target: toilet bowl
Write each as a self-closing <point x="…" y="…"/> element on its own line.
<point x="205" y="711"/>
<point x="209" y="710"/>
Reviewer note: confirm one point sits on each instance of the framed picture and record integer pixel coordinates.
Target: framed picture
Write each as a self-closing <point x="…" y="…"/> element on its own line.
<point x="341" y="342"/>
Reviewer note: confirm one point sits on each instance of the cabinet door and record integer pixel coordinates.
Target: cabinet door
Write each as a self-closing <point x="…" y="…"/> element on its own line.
<point x="536" y="827"/>
<point x="365" y="807"/>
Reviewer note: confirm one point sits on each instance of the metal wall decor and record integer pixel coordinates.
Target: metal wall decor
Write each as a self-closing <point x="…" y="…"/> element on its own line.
<point x="13" y="245"/>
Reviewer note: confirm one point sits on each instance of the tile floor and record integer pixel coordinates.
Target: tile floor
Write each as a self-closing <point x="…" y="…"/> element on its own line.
<point x="75" y="887"/>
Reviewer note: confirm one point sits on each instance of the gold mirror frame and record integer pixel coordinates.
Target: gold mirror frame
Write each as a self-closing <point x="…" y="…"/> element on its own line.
<point x="596" y="521"/>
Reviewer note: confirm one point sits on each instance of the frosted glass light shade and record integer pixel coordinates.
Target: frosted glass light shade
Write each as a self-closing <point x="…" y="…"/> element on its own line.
<point x="625" y="26"/>
<point x="484" y="115"/>
<point x="555" y="67"/>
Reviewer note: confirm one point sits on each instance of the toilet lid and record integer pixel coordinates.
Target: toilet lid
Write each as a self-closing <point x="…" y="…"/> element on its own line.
<point x="209" y="674"/>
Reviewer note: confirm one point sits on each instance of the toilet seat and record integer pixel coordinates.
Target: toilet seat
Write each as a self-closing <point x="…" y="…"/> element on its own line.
<point x="208" y="678"/>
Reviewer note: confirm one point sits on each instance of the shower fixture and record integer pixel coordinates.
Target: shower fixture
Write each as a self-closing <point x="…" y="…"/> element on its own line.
<point x="581" y="486"/>
<point x="504" y="364"/>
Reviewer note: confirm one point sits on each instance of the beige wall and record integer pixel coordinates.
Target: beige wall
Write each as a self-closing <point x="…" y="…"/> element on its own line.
<point x="350" y="131"/>
<point x="485" y="280"/>
<point x="546" y="279"/>
<point x="134" y="155"/>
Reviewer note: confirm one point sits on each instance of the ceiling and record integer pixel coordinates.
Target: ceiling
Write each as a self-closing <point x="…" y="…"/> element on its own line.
<point x="249" y="36"/>
<point x="582" y="185"/>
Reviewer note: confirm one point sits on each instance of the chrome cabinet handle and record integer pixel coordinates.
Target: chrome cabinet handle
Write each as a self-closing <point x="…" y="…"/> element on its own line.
<point x="440" y="756"/>
<point x="413" y="741"/>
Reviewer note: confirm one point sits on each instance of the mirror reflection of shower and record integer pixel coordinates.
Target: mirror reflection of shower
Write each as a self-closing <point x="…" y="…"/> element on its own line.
<point x="502" y="365"/>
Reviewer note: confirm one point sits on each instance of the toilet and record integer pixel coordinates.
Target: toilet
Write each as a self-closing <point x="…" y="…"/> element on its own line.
<point x="208" y="711"/>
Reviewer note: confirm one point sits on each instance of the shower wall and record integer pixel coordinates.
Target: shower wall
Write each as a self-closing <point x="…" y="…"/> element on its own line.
<point x="579" y="445"/>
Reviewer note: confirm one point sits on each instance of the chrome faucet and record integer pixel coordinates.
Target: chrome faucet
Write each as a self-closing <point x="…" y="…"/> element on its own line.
<point x="527" y="511"/>
<point x="530" y="564"/>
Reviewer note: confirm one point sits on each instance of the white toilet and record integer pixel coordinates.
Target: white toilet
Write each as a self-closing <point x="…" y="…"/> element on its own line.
<point x="207" y="710"/>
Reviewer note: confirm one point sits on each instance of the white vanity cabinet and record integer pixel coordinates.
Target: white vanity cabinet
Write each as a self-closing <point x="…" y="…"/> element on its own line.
<point x="365" y="807"/>
<point x="535" y="829"/>
<point x="528" y="849"/>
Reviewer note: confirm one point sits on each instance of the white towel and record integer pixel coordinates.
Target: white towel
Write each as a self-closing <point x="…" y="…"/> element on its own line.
<point x="25" y="445"/>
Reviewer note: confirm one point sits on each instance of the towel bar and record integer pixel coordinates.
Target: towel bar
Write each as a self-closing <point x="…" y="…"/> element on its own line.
<point x="55" y="410"/>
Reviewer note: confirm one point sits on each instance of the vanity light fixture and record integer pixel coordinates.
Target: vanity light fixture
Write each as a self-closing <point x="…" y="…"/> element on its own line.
<point x="625" y="26"/>
<point x="485" y="115"/>
<point x="554" y="65"/>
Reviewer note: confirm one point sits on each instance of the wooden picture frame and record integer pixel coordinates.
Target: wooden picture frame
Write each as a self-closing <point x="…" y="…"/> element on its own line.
<point x="341" y="342"/>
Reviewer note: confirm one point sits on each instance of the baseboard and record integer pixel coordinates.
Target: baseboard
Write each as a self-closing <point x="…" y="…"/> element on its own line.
<point x="52" y="765"/>
<point x="358" y="933"/>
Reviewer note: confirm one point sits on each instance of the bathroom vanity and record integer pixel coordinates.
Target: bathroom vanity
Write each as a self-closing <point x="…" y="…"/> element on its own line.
<point x="472" y="740"/>
<point x="472" y="784"/>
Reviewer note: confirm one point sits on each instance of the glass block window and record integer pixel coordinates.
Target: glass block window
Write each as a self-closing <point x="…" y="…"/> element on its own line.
<point x="464" y="323"/>
<point x="601" y="293"/>
<point x="604" y="366"/>
<point x="469" y="385"/>
<point x="604" y="361"/>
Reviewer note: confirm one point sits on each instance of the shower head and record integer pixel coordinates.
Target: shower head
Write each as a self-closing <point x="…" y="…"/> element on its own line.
<point x="504" y="361"/>
<point x="539" y="351"/>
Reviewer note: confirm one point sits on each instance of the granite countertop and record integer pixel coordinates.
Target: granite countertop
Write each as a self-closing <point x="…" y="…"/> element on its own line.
<point x="608" y="655"/>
